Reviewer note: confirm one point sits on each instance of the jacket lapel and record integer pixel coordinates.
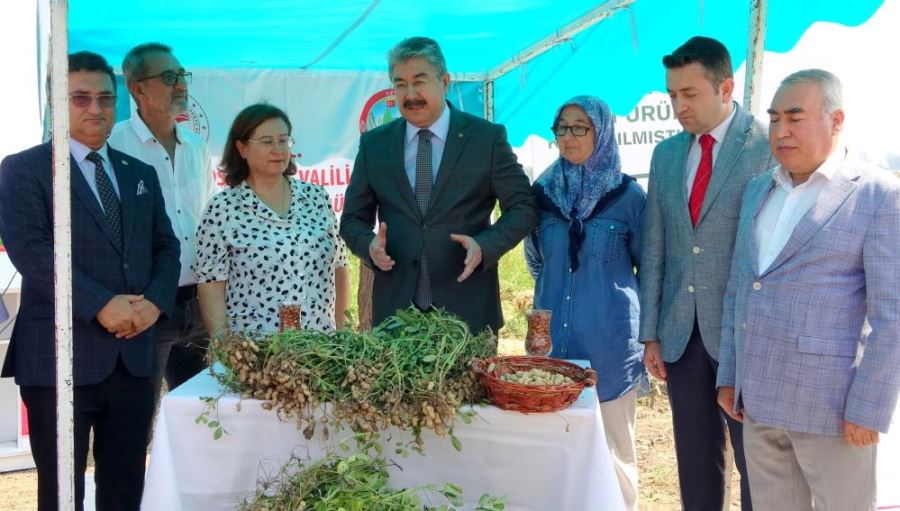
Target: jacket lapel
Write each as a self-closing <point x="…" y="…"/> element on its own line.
<point x="397" y="166"/>
<point x="127" y="194"/>
<point x="732" y="145"/>
<point x="453" y="148"/>
<point x="82" y="190"/>
<point x="679" y="161"/>
<point x="838" y="189"/>
<point x="747" y="225"/>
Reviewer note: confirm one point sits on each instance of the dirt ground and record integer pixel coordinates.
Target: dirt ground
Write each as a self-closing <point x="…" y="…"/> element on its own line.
<point x="658" y="477"/>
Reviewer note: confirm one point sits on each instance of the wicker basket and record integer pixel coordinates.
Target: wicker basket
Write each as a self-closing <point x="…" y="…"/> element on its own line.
<point x="531" y="398"/>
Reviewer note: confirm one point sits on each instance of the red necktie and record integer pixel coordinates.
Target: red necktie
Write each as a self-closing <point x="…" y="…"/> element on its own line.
<point x="701" y="180"/>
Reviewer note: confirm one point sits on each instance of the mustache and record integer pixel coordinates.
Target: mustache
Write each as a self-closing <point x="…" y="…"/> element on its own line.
<point x="412" y="103"/>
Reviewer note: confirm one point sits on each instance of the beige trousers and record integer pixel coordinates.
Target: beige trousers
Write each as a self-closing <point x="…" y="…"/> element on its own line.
<point x="618" y="424"/>
<point x="794" y="471"/>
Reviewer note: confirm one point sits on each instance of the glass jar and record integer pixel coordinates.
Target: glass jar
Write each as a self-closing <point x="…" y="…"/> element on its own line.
<point x="289" y="316"/>
<point x="537" y="340"/>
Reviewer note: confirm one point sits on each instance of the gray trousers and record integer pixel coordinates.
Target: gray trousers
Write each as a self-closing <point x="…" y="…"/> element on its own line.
<point x="794" y="471"/>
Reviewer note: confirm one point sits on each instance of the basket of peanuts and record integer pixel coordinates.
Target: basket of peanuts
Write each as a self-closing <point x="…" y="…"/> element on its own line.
<point x="532" y="384"/>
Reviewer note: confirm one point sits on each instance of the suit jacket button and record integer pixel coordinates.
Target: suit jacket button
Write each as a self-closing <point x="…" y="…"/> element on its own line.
<point x="757" y="286"/>
<point x="696" y="250"/>
<point x="690" y="289"/>
<point x="424" y="227"/>
<point x="125" y="265"/>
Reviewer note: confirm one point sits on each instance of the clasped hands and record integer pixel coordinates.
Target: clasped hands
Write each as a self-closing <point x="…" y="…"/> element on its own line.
<point x="126" y="316"/>
<point x="384" y="262"/>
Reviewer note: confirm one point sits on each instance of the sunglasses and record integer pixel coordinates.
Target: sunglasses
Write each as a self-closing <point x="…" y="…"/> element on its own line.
<point x="170" y="78"/>
<point x="85" y="100"/>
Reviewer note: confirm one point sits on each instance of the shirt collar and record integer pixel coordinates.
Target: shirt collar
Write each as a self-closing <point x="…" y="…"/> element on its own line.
<point x="826" y="170"/>
<point x="80" y="151"/>
<point x="718" y="133"/>
<point x="143" y="132"/>
<point x="439" y="129"/>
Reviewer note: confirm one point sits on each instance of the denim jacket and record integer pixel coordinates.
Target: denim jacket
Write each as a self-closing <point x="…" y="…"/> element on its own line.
<point x="595" y="308"/>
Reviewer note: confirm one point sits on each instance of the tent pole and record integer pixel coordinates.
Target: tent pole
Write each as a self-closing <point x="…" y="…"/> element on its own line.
<point x="755" y="47"/>
<point x="62" y="250"/>
<point x="489" y="100"/>
<point x="591" y="18"/>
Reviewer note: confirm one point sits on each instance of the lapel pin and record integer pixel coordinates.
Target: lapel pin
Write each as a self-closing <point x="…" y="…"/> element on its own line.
<point x="124" y="162"/>
<point x="460" y="134"/>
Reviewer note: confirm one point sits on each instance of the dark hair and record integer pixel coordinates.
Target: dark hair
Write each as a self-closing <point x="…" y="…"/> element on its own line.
<point x="134" y="65"/>
<point x="413" y="47"/>
<point x="90" y="62"/>
<point x="233" y="165"/>
<point x="708" y="52"/>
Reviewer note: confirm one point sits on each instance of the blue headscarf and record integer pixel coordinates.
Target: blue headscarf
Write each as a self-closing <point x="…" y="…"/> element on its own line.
<point x="576" y="189"/>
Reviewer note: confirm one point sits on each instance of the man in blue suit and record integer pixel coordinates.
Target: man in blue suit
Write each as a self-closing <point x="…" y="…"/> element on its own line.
<point x="693" y="196"/>
<point x="810" y="353"/>
<point x="125" y="271"/>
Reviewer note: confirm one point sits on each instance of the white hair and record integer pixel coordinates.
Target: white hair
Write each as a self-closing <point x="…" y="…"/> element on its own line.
<point x="829" y="84"/>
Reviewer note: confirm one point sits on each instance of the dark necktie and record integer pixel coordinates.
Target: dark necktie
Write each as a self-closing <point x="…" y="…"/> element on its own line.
<point x="108" y="197"/>
<point x="424" y="167"/>
<point x="701" y="180"/>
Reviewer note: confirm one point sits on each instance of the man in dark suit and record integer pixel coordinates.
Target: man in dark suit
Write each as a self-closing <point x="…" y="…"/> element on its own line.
<point x="693" y="199"/>
<point x="433" y="179"/>
<point x="124" y="275"/>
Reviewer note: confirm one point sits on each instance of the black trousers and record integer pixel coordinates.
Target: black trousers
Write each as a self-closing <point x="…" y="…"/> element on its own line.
<point x="119" y="409"/>
<point x="181" y="341"/>
<point x="698" y="424"/>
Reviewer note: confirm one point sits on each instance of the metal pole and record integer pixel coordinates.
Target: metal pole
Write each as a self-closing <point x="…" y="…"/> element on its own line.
<point x="62" y="251"/>
<point x="755" y="48"/>
<point x="489" y="100"/>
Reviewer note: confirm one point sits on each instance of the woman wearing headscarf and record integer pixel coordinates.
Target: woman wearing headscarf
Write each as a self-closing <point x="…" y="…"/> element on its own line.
<point x="584" y="256"/>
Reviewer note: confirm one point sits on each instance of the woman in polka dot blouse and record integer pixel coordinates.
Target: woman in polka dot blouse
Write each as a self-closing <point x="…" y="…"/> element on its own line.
<point x="268" y="238"/>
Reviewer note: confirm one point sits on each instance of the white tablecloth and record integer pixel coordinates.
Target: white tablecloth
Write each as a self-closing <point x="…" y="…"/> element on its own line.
<point x="556" y="461"/>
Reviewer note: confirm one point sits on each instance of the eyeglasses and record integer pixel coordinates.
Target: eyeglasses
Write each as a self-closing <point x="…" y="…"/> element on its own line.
<point x="578" y="131"/>
<point x="170" y="78"/>
<point x="271" y="142"/>
<point x="85" y="100"/>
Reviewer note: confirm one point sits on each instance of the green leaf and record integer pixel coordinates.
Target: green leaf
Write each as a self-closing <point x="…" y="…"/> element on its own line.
<point x="217" y="434"/>
<point x="456" y="443"/>
<point x="377" y="447"/>
<point x="341" y="467"/>
<point x="213" y="424"/>
<point x="429" y="358"/>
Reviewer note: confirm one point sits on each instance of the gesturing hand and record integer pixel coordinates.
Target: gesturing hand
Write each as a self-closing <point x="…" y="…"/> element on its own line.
<point x="473" y="254"/>
<point x="377" y="249"/>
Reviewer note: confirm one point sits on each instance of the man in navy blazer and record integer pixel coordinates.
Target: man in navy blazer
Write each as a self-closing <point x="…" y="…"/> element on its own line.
<point x="432" y="179"/>
<point x="125" y="271"/>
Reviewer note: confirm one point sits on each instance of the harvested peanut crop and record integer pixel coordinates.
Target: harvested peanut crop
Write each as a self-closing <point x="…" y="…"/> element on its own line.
<point x="412" y="372"/>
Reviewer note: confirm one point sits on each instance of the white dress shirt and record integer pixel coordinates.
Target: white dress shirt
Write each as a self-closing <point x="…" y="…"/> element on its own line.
<point x="79" y="152"/>
<point x="439" y="131"/>
<point x="695" y="152"/>
<point x="186" y="190"/>
<point x="786" y="205"/>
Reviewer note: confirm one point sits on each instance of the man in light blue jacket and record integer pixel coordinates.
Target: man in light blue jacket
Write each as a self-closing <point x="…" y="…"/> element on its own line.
<point x="810" y="346"/>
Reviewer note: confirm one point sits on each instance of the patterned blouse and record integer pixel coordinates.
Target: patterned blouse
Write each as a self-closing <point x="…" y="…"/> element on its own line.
<point x="267" y="260"/>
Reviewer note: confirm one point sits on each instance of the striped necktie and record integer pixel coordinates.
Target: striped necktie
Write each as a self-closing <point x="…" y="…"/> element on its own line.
<point x="424" y="167"/>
